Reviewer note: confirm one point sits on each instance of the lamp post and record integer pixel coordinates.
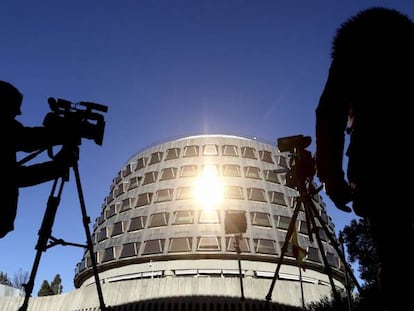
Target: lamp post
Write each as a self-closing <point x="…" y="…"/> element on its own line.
<point x="235" y="223"/>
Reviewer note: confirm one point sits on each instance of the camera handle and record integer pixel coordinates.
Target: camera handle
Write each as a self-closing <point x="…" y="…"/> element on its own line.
<point x="46" y="240"/>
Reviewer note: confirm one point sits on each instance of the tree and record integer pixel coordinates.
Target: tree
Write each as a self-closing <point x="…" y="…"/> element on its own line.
<point x="45" y="289"/>
<point x="56" y="285"/>
<point x="54" y="288"/>
<point x="361" y="248"/>
<point x="20" y="278"/>
<point x="4" y="279"/>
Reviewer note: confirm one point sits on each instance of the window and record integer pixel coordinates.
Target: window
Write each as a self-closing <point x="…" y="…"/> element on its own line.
<point x="118" y="178"/>
<point x="283" y="161"/>
<point x="313" y="254"/>
<point x="233" y="192"/>
<point x="324" y="216"/>
<point x="163" y="195"/>
<point x="126" y="171"/>
<point x="134" y="182"/>
<point x="282" y="222"/>
<point x="102" y="235"/>
<point x="130" y="250"/>
<point x="81" y="266"/>
<point x="168" y="173"/>
<point x="155" y="157"/>
<point x="100" y="220"/>
<point x="260" y="219"/>
<point x="188" y="171"/>
<point x="144" y="199"/>
<point x="289" y="249"/>
<point x="270" y="175"/>
<point x="191" y="151"/>
<point x="150" y="177"/>
<point x="303" y="227"/>
<point x="110" y="211"/>
<point x="243" y="244"/>
<point x="266" y="156"/>
<point x="158" y="220"/>
<point x="108" y="254"/>
<point x="264" y="246"/>
<point x="209" y="217"/>
<point x="141" y="162"/>
<point x="180" y="245"/>
<point x="210" y="149"/>
<point x="322" y="234"/>
<point x="256" y="194"/>
<point x="183" y="217"/>
<point x="120" y="189"/>
<point x="332" y="260"/>
<point x="89" y="260"/>
<point x="172" y="153"/>
<point x="210" y="243"/>
<point x="153" y="246"/>
<point x="248" y="152"/>
<point x="137" y="223"/>
<point x="231" y="170"/>
<point x="210" y="170"/>
<point x="252" y="172"/>
<point x="277" y="198"/>
<point x="118" y="228"/>
<point x="184" y="193"/>
<point x="230" y="150"/>
<point x="109" y="198"/>
<point x="127" y="204"/>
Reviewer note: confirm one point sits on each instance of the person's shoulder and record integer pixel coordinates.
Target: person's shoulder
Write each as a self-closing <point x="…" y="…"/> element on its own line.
<point x="10" y="124"/>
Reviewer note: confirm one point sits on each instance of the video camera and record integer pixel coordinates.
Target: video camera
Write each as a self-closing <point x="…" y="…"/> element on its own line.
<point x="85" y="122"/>
<point x="302" y="166"/>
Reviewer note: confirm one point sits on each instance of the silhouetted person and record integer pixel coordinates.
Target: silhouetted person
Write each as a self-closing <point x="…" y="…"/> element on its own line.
<point x="369" y="94"/>
<point x="15" y="137"/>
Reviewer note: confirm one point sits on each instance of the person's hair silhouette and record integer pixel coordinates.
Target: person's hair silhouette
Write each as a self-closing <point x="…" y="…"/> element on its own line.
<point x="368" y="94"/>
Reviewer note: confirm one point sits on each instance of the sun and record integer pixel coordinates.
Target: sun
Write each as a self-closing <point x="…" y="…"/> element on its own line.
<point x="208" y="188"/>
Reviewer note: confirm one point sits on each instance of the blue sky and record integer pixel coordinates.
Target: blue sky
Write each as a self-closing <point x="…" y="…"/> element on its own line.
<point x="164" y="69"/>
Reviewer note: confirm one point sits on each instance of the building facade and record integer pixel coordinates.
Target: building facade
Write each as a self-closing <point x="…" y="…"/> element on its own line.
<point x="207" y="216"/>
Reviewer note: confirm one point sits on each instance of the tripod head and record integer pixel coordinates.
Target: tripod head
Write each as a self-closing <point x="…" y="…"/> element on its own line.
<point x="302" y="165"/>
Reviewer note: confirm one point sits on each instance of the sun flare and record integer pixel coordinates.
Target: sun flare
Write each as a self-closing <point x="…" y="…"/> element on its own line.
<point x="208" y="188"/>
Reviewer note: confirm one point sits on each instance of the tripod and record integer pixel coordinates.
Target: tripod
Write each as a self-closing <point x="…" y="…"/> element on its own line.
<point x="300" y="177"/>
<point x="305" y="201"/>
<point x="46" y="240"/>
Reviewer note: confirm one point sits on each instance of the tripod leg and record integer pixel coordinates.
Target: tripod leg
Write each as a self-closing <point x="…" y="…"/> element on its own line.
<point x="86" y="221"/>
<point x="335" y="245"/>
<point x="44" y="235"/>
<point x="321" y="248"/>
<point x="285" y="246"/>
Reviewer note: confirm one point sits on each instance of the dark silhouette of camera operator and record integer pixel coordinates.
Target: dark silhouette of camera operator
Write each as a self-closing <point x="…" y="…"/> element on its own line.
<point x="368" y="94"/>
<point x="14" y="137"/>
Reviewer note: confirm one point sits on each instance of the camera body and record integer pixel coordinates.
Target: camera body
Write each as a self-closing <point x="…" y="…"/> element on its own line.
<point x="302" y="166"/>
<point x="83" y="119"/>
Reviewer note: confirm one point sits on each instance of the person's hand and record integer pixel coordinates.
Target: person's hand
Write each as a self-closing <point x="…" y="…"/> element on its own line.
<point x="340" y="193"/>
<point x="68" y="155"/>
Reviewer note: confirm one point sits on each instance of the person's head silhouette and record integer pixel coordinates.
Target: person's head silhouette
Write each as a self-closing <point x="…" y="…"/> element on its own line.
<point x="10" y="99"/>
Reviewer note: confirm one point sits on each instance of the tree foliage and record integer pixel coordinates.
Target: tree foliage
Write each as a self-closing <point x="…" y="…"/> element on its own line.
<point x="56" y="285"/>
<point x="361" y="249"/>
<point x="54" y="288"/>
<point x="20" y="278"/>
<point x="45" y="289"/>
<point x="4" y="279"/>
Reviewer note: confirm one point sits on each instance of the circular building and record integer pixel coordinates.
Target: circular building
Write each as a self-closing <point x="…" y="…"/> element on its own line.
<point x="208" y="216"/>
